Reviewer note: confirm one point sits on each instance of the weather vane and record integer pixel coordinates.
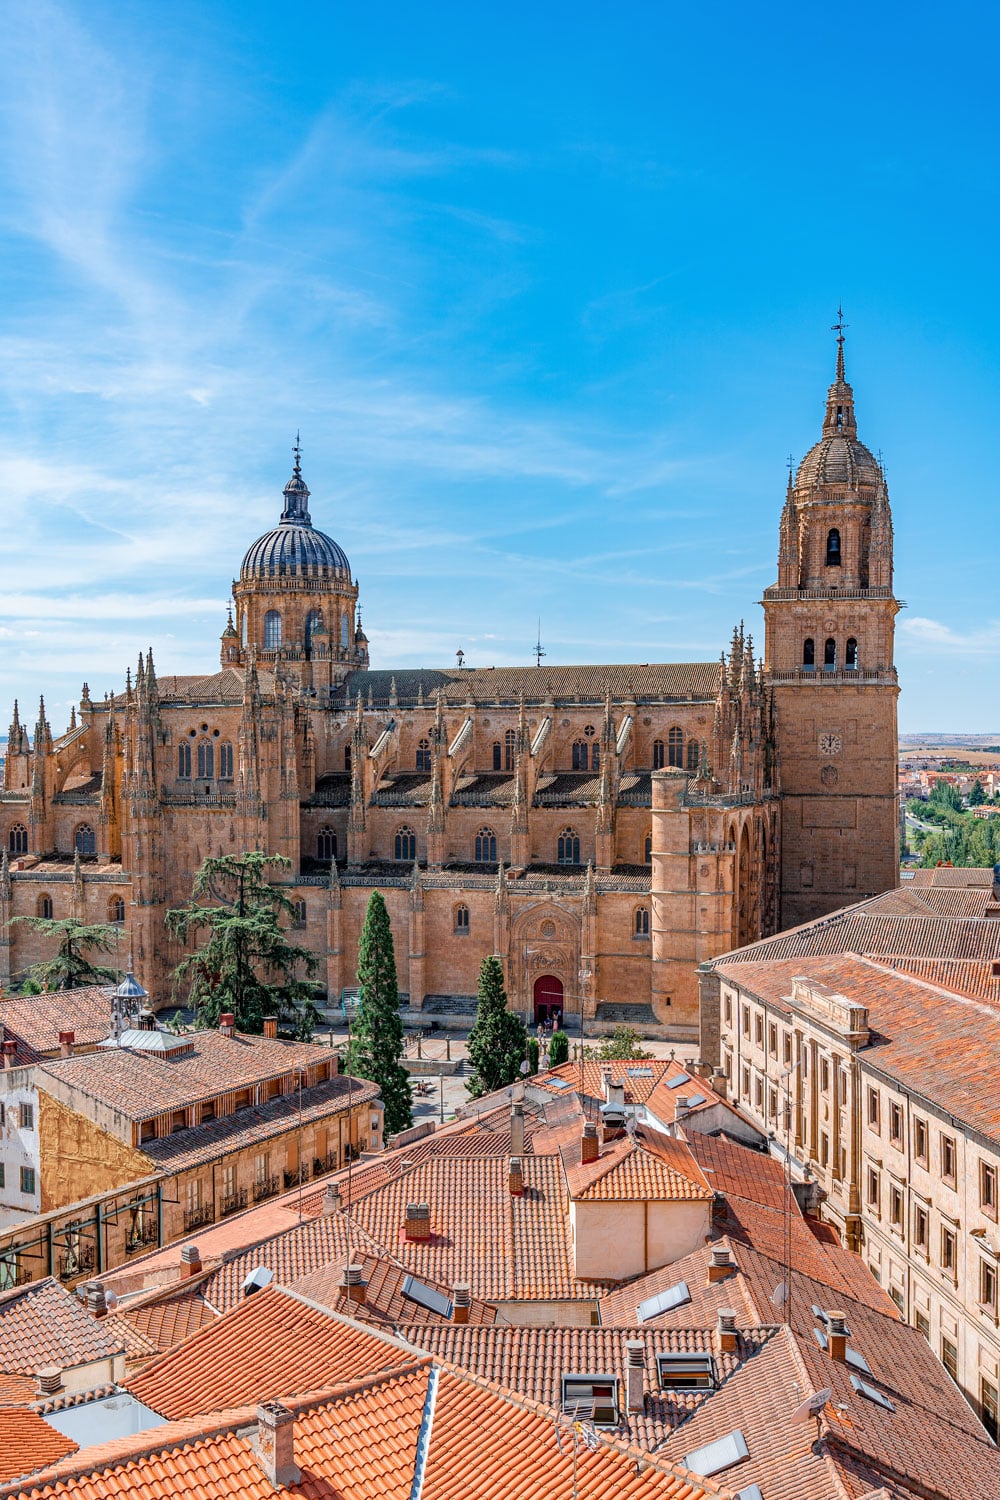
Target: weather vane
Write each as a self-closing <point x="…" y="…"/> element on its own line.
<point x="840" y="325"/>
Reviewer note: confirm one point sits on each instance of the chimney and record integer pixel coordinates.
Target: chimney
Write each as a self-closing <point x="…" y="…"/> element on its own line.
<point x="517" y="1129"/>
<point x="355" y="1285"/>
<point x="227" y="1023"/>
<point x="97" y="1304"/>
<point x="49" y="1380"/>
<point x="418" y="1221"/>
<point x="271" y="1027"/>
<point x="276" y="1444"/>
<point x="461" y="1301"/>
<point x="635" y="1375"/>
<point x="720" y="1265"/>
<point x="515" y="1177"/>
<point x="614" y="1093"/>
<point x="66" y="1040"/>
<point x="719" y="1082"/>
<point x="836" y="1336"/>
<point x="590" y="1148"/>
<point x="726" y="1331"/>
<point x="331" y="1200"/>
<point x="190" y="1261"/>
<point x="9" y="1049"/>
<point x="681" y="1106"/>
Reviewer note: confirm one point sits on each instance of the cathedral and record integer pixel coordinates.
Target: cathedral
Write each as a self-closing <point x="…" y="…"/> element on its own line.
<point x="604" y="829"/>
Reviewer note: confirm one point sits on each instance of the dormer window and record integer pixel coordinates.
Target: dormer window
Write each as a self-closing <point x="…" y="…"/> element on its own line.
<point x="591" y="1398"/>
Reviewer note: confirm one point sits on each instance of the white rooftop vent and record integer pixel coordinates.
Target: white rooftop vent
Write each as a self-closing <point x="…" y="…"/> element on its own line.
<point x="257" y="1280"/>
<point x="714" y="1457"/>
<point x="674" y="1296"/>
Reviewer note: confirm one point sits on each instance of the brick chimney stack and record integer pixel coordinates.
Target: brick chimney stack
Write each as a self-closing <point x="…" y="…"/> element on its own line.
<point x="719" y="1083"/>
<point x="276" y="1444"/>
<point x="271" y="1027"/>
<point x="355" y="1285"/>
<point x="517" y="1129"/>
<point x="9" y="1049"/>
<point x="97" y="1304"/>
<point x="227" y="1023"/>
<point x="720" y="1265"/>
<point x="418" y="1221"/>
<point x="836" y="1336"/>
<point x="590" y="1148"/>
<point x="515" y="1177"/>
<point x="66" y="1040"/>
<point x="635" y="1375"/>
<point x="190" y="1261"/>
<point x="331" y="1200"/>
<point x="461" y="1301"/>
<point x="726" y="1334"/>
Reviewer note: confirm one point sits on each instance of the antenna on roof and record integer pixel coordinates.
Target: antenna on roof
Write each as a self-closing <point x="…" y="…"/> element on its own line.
<point x="539" y="651"/>
<point x="812" y="1405"/>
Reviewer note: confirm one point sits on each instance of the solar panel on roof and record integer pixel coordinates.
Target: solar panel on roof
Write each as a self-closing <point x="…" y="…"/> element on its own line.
<point x="675" y="1083"/>
<point x="858" y="1361"/>
<point x="715" y="1457"/>
<point x="695" y="1100"/>
<point x="639" y="1072"/>
<point x="427" y="1296"/>
<point x="674" y="1296"/>
<point x="870" y="1393"/>
<point x="558" y="1083"/>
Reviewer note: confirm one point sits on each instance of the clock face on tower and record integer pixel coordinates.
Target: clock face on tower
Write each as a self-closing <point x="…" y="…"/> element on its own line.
<point x="830" y="743"/>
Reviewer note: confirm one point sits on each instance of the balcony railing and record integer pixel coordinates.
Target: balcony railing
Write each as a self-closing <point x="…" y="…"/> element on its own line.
<point x="140" y="1238"/>
<point x="327" y="1163"/>
<point x="194" y="1218"/>
<point x="266" y="1187"/>
<point x="77" y="1262"/>
<point x="233" y="1202"/>
<point x="292" y="1174"/>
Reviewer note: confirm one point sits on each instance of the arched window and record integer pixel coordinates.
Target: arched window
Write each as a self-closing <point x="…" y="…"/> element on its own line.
<point x="497" y="756"/>
<point x="692" y="755"/>
<point x="85" y="841"/>
<point x="486" y="847"/>
<point x="808" y="654"/>
<point x="675" y="747"/>
<point x="405" y="846"/>
<point x="569" y="848"/>
<point x="851" y="654"/>
<point x="18" y="839"/>
<point x="642" y="921"/>
<point x="658" y="755"/>
<point x="509" y="750"/>
<point x="347" y="759"/>
<point x="225" y="761"/>
<point x="326" y="845"/>
<point x="829" y="654"/>
<point x="314" y="620"/>
<point x="461" y="919"/>
<point x="647" y="849"/>
<point x="44" y="907"/>
<point x="116" y="910"/>
<point x="272" y="630"/>
<point x="206" y="760"/>
<point x="424" y="755"/>
<point x="833" y="548"/>
<point x="580" y="751"/>
<point x="184" y="761"/>
<point x="298" y="914"/>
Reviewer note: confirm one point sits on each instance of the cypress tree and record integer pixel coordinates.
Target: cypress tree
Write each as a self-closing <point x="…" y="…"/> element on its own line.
<point x="498" y="1038"/>
<point x="377" y="1043"/>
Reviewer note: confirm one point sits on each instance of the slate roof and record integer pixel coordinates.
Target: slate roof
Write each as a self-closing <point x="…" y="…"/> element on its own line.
<point x="647" y="683"/>
<point x="44" y="1324"/>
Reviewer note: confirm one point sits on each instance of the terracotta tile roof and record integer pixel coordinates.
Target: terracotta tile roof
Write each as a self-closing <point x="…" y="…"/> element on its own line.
<point x="951" y="875"/>
<point x="44" y="1324"/>
<point x="27" y="1443"/>
<point x="35" y="1021"/>
<point x="275" y="1343"/>
<point x="290" y="1254"/>
<point x="140" y="1086"/>
<point x="153" y="1326"/>
<point x="943" y="1046"/>
<point x="962" y="976"/>
<point x="16" y="1390"/>
<point x="385" y="1304"/>
<point x="618" y="1306"/>
<point x="655" y="681"/>
<point x="732" y="1168"/>
<point x="865" y="929"/>
<point x="646" y="1082"/>
<point x="361" y="1441"/>
<point x="648" y="1167"/>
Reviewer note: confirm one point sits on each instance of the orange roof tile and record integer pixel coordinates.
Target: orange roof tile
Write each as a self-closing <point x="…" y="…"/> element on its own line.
<point x="44" y="1324"/>
<point x="27" y="1443"/>
<point x="384" y="1302"/>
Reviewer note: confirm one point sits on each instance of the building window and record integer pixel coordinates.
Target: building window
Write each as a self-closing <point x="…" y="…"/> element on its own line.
<point x="85" y="841"/>
<point x="758" y="1092"/>
<point x="27" y="1180"/>
<point x="647" y="849"/>
<point x="728" y="1007"/>
<point x="833" y="548"/>
<point x="347" y="759"/>
<point x="298" y="914"/>
<point x="568" y="852"/>
<point x="808" y="654"/>
<point x="461" y="919"/>
<point x="758" y="1029"/>
<point x="949" y="1249"/>
<point x="873" y="1189"/>
<point x="642" y="922"/>
<point x="592" y="1398"/>
<point x="225" y="762"/>
<point x="424" y="755"/>
<point x="45" y="907"/>
<point x="851" y="654"/>
<point x="18" y="839"/>
<point x="314" y="622"/>
<point x="272" y="630"/>
<point x="345" y="630"/>
<point x="26" y="1116"/>
<point x="326" y="845"/>
<point x="824" y="1076"/>
<point x="896" y="1207"/>
<point x="920" y="1141"/>
<point x="184" y="761"/>
<point x="509" y="750"/>
<point x="829" y="654"/>
<point x="692" y="755"/>
<point x="497" y="756"/>
<point x="772" y="1039"/>
<point x="658" y="760"/>
<point x="895" y="1124"/>
<point x="580" y="750"/>
<point x="988" y="1189"/>
<point x="921" y="1229"/>
<point x="206" y="760"/>
<point x="675" y="747"/>
<point x="786" y="1048"/>
<point x="922" y="1323"/>
<point x="745" y="1021"/>
<point x="873" y="1109"/>
<point x="948" y="1159"/>
<point x="988" y="1401"/>
<point x="405" y="846"/>
<point x="595" y="757"/>
<point x="824" y="1149"/>
<point x="486" y="847"/>
<point x="745" y="1083"/>
<point x="116" y="911"/>
<point x="949" y="1357"/>
<point x="988" y="1285"/>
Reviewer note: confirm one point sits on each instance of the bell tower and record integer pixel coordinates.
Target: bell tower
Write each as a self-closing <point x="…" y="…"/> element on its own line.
<point x="829" y="626"/>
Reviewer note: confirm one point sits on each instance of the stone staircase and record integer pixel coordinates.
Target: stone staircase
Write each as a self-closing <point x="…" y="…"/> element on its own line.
<point x="613" y="1014"/>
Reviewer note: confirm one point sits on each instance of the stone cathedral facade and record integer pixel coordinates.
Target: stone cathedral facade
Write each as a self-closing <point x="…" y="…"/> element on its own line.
<point x="603" y="829"/>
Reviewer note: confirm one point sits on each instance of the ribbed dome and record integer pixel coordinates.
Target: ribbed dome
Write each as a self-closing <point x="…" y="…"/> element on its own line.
<point x="838" y="460"/>
<point x="295" y="549"/>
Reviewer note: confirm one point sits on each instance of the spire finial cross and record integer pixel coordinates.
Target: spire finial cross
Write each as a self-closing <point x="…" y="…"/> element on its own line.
<point x="840" y="325"/>
<point x="297" y="450"/>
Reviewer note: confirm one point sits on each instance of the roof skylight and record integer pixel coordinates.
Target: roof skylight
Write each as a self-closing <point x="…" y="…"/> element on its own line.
<point x="426" y="1296"/>
<point x="714" y="1457"/>
<point x="870" y="1393"/>
<point x="674" y="1296"/>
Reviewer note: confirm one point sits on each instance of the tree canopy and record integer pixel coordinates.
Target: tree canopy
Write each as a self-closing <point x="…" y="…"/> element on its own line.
<point x="377" y="1042"/>
<point x="246" y="965"/>
<point x="70" y="968"/>
<point x="497" y="1041"/>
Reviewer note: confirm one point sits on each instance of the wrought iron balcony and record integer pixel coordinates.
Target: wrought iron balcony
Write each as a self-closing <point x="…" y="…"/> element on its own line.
<point x="266" y="1187"/>
<point x="233" y="1202"/>
<point x="194" y="1218"/>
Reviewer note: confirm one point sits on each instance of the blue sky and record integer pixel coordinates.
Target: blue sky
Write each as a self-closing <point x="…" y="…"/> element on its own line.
<point x="548" y="290"/>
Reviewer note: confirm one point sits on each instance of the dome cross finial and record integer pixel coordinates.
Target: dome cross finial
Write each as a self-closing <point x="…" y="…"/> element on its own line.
<point x="838" y="329"/>
<point x="297" y="451"/>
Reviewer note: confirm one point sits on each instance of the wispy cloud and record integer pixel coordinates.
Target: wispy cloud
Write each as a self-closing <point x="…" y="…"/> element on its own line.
<point x="934" y="635"/>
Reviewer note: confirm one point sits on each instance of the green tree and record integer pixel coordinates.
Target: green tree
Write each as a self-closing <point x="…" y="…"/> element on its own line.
<point x="977" y="796"/>
<point x="497" y="1039"/>
<point x="247" y="965"/>
<point x="70" y="968"/>
<point x="558" y="1049"/>
<point x="377" y="1043"/>
<point x="623" y="1043"/>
